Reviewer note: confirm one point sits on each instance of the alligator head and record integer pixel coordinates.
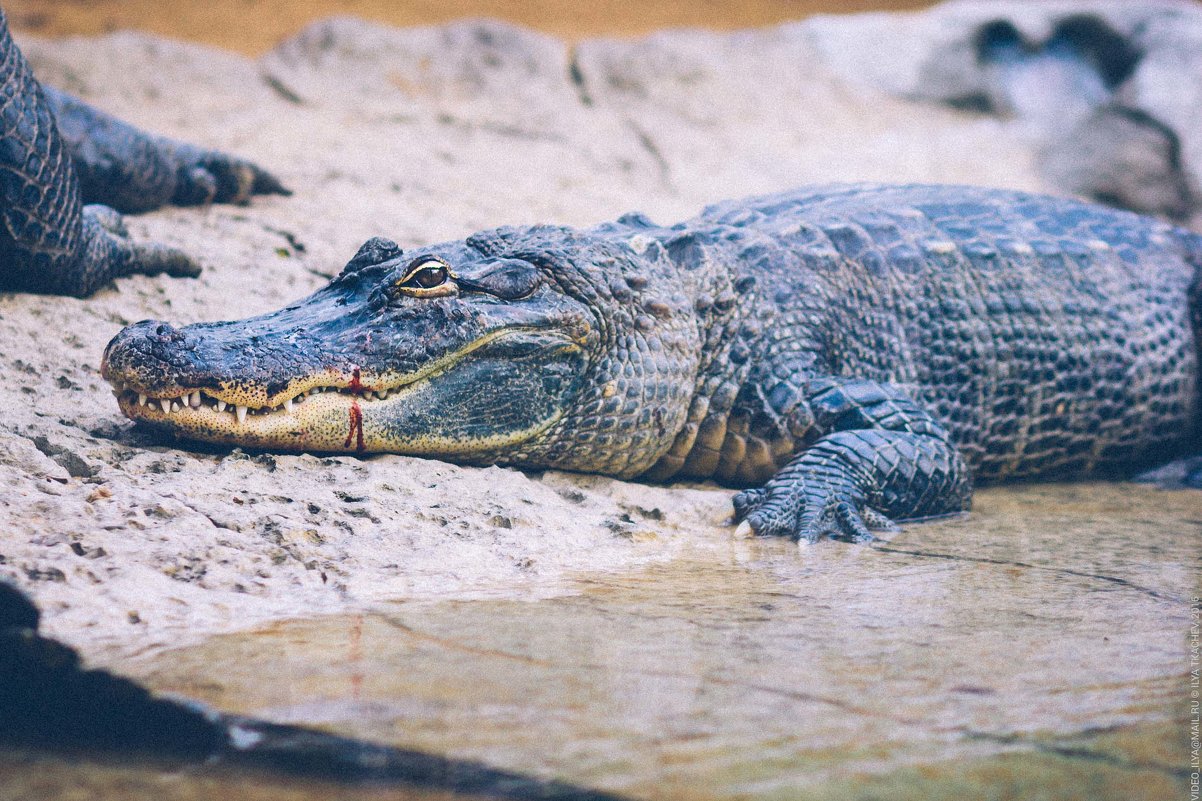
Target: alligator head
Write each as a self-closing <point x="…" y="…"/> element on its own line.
<point x="502" y="348"/>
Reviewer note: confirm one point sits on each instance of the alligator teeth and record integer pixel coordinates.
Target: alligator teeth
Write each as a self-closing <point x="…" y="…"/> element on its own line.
<point x="197" y="399"/>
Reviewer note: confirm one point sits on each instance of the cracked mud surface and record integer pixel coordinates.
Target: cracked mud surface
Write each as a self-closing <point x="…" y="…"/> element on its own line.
<point x="608" y="632"/>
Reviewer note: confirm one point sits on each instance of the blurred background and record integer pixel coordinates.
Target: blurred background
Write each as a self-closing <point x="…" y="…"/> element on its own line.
<point x="254" y="26"/>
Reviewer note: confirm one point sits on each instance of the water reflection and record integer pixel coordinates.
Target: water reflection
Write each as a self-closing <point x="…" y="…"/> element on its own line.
<point x="757" y="669"/>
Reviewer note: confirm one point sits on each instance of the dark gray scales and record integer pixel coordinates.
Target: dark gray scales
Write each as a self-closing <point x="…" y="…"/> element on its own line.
<point x="57" y="153"/>
<point x="889" y="343"/>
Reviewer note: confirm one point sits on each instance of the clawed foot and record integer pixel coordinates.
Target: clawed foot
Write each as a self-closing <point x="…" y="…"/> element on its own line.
<point x="151" y="258"/>
<point x="808" y="512"/>
<point x="130" y="257"/>
<point x="210" y="176"/>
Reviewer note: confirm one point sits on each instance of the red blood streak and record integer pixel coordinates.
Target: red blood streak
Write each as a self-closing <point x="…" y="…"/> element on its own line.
<point x="356" y="432"/>
<point x="356" y="385"/>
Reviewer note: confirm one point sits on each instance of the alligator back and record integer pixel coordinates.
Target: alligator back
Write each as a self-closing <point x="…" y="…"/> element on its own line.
<point x="1047" y="335"/>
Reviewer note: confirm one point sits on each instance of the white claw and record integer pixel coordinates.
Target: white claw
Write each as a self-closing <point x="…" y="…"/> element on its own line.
<point x="165" y="405"/>
<point x="241" y="412"/>
<point x="141" y="399"/>
<point x="288" y="406"/>
<point x="744" y="530"/>
<point x="221" y="405"/>
<point x="194" y="399"/>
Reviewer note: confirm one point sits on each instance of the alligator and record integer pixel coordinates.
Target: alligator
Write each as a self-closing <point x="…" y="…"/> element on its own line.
<point x="58" y="153"/>
<point x="850" y="356"/>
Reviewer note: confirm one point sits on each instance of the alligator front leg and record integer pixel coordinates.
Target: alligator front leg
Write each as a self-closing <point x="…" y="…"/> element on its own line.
<point x="881" y="457"/>
<point x="49" y="241"/>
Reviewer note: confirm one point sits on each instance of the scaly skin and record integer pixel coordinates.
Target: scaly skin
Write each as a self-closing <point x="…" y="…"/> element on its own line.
<point x="49" y="141"/>
<point x="849" y="354"/>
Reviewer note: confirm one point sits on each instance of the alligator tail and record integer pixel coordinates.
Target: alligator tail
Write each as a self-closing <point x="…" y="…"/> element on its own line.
<point x="1193" y="251"/>
<point x="1193" y="254"/>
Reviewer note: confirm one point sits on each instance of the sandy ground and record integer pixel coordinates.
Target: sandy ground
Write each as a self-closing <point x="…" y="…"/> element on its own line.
<point x="255" y="26"/>
<point x="421" y="134"/>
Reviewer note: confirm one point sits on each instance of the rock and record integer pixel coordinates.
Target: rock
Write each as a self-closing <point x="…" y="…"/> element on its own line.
<point x="24" y="456"/>
<point x="69" y="460"/>
<point x="1107" y="89"/>
<point x="1125" y="158"/>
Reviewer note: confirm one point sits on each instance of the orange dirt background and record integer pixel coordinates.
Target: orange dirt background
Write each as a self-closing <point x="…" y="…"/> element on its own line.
<point x="254" y="26"/>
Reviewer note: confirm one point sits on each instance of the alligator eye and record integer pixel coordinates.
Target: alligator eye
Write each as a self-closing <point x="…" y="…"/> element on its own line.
<point x="427" y="277"/>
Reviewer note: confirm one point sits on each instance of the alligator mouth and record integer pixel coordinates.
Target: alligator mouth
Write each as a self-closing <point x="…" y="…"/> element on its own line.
<point x="139" y="404"/>
<point x="319" y="417"/>
<point x="203" y="401"/>
<point x="328" y="410"/>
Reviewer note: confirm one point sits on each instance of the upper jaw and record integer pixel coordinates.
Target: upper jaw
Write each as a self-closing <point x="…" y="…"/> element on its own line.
<point x="242" y="400"/>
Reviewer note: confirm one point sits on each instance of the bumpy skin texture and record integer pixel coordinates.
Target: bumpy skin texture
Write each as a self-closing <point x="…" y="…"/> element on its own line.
<point x="850" y="354"/>
<point x="132" y="171"/>
<point x="57" y="152"/>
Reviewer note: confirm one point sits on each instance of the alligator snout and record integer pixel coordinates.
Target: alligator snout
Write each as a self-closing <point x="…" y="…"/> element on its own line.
<point x="147" y="355"/>
<point x="148" y="334"/>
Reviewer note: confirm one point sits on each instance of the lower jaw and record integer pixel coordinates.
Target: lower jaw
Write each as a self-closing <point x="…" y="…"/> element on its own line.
<point x="328" y="430"/>
<point x="334" y="425"/>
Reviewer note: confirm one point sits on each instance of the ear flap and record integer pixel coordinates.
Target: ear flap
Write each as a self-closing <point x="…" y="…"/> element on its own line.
<point x="508" y="279"/>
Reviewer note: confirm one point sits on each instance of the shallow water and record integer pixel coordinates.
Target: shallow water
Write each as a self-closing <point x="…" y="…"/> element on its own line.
<point x="1039" y="643"/>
